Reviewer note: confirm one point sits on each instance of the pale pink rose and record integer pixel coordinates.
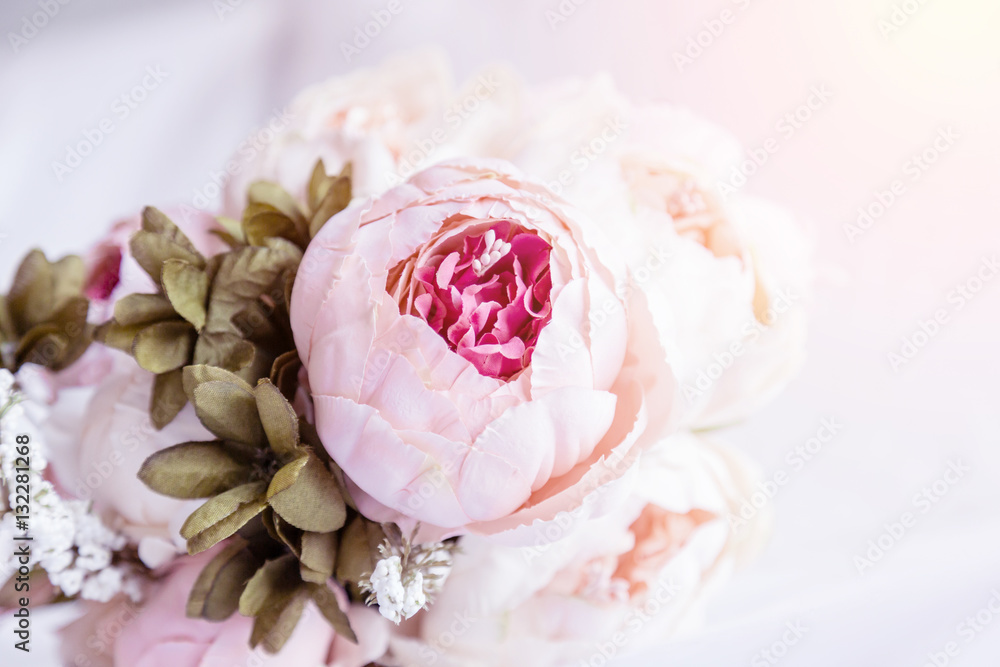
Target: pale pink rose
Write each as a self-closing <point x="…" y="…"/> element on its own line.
<point x="388" y="122"/>
<point x="97" y="457"/>
<point x="632" y="578"/>
<point x="160" y="634"/>
<point x="725" y="278"/>
<point x="472" y="364"/>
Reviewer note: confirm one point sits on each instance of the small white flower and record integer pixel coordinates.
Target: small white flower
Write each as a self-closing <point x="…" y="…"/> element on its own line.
<point x="69" y="580"/>
<point x="407" y="576"/>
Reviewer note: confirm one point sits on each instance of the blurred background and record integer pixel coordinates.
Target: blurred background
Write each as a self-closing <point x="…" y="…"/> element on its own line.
<point x="884" y="114"/>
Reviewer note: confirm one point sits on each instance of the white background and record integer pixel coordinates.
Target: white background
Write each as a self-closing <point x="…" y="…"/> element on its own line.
<point x="891" y="94"/>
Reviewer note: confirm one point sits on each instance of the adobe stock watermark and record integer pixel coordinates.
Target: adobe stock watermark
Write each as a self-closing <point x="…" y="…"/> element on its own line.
<point x="783" y="302"/>
<point x="587" y="152"/>
<point x="366" y="33"/>
<point x="121" y="108"/>
<point x="562" y="12"/>
<point x="712" y="30"/>
<point x="901" y="14"/>
<point x="779" y="648"/>
<point x="223" y="8"/>
<point x="655" y="602"/>
<point x="922" y="502"/>
<point x="970" y="628"/>
<point x="913" y="170"/>
<point x="32" y="24"/>
<point x="796" y="460"/>
<point x="431" y="651"/>
<point x="957" y="299"/>
<point x="786" y="127"/>
<point x="205" y="196"/>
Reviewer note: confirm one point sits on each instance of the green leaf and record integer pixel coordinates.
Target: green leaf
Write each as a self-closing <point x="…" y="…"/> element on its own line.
<point x="216" y="593"/>
<point x="275" y="624"/>
<point x="143" y="309"/>
<point x="243" y="276"/>
<point x="226" y="350"/>
<point x="319" y="552"/>
<point x="306" y="495"/>
<point x="277" y="579"/>
<point x="164" y="346"/>
<point x="194" y="470"/>
<point x="201" y="373"/>
<point x="157" y="222"/>
<point x="30" y="299"/>
<point x="187" y="288"/>
<point x="336" y="199"/>
<point x="229" y="411"/>
<point x="328" y="605"/>
<point x="168" y="398"/>
<point x="223" y="515"/>
<point x="273" y="195"/>
<point x="116" y="336"/>
<point x="279" y="420"/>
<point x="263" y="225"/>
<point x="358" y="552"/>
<point x="151" y="251"/>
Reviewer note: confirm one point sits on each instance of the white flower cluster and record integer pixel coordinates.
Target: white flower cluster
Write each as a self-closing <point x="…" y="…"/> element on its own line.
<point x="73" y="546"/>
<point x="407" y="577"/>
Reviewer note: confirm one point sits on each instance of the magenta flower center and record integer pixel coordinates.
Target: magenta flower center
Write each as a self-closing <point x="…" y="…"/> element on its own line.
<point x="487" y="294"/>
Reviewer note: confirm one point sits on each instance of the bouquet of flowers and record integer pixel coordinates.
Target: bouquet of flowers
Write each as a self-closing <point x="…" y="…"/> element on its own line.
<point x="430" y="387"/>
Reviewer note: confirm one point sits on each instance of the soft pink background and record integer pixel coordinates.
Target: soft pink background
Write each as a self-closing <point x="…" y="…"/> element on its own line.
<point x="890" y="97"/>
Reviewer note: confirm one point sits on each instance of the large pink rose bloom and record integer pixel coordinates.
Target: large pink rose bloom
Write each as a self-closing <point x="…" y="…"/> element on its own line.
<point x="159" y="634"/>
<point x="726" y="275"/>
<point x="472" y="362"/>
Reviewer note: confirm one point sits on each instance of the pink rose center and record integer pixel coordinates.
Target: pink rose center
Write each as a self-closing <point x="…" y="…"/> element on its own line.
<point x="695" y="215"/>
<point x="659" y="536"/>
<point x="487" y="294"/>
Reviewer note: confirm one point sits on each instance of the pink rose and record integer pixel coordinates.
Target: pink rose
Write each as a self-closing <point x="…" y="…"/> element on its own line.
<point x="159" y="633"/>
<point x="726" y="277"/>
<point x="388" y="122"/>
<point x="472" y="363"/>
<point x="631" y="579"/>
<point x="98" y="456"/>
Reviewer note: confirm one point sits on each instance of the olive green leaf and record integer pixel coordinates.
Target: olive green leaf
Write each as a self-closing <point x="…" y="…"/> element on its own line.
<point x="326" y="601"/>
<point x="168" y="397"/>
<point x="164" y="346"/>
<point x="358" y="552"/>
<point x="194" y="470"/>
<point x="319" y="553"/>
<point x="278" y="419"/>
<point x="201" y="373"/>
<point x="134" y="309"/>
<point x="274" y="624"/>
<point x="160" y="240"/>
<point x="276" y="579"/>
<point x="229" y="411"/>
<point x="186" y="286"/>
<point x="43" y="319"/>
<point x="216" y="593"/>
<point x="223" y="515"/>
<point x="306" y="494"/>
<point x="328" y="195"/>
